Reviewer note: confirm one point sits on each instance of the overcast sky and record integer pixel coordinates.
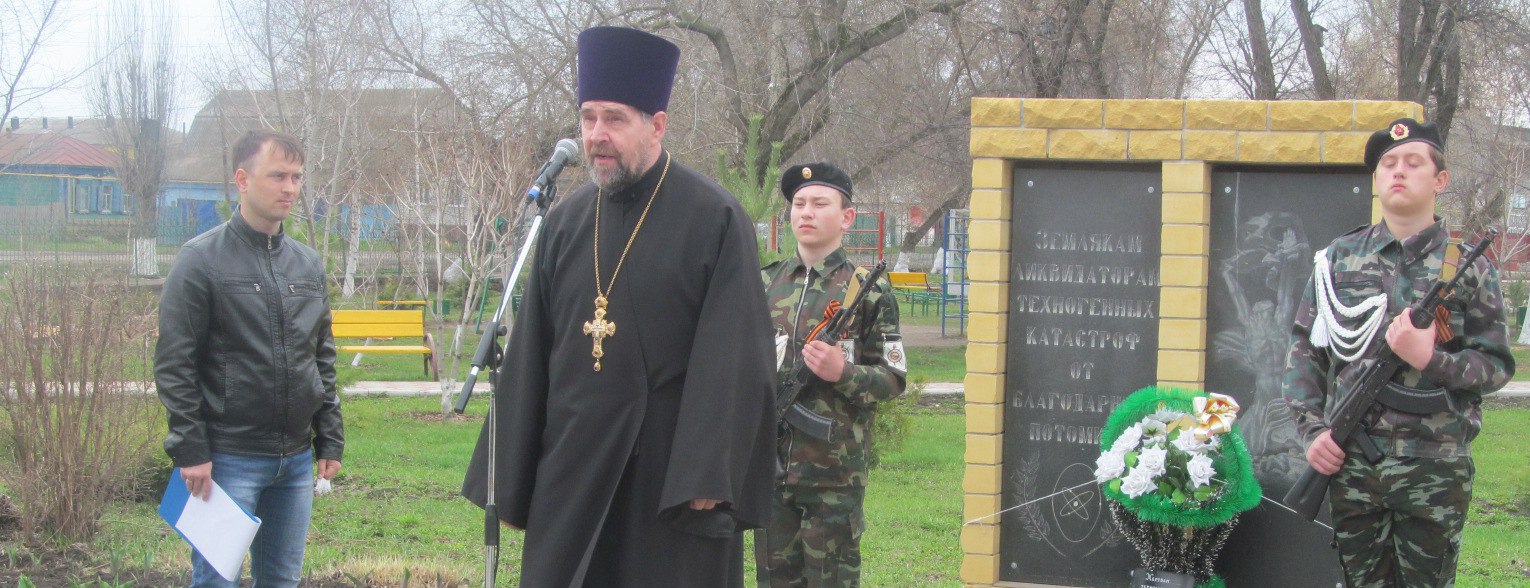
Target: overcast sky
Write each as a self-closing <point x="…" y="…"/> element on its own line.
<point x="73" y="47"/>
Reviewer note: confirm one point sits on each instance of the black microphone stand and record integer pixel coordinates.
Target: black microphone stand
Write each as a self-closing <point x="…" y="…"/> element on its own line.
<point x="489" y="355"/>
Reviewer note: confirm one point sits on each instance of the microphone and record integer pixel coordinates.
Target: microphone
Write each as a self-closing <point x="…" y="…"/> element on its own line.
<point x="565" y="150"/>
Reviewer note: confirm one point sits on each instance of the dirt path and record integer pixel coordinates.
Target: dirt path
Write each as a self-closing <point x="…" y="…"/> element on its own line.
<point x="929" y="336"/>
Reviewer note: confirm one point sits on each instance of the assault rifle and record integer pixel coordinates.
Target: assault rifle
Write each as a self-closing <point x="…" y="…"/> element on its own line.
<point x="791" y="412"/>
<point x="1360" y="386"/>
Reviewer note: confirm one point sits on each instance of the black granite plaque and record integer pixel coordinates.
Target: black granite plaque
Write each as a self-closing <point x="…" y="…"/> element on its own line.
<point x="1082" y="335"/>
<point x="1265" y="226"/>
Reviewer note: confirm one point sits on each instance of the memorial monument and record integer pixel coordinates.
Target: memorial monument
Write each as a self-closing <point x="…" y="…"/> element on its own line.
<point x="1118" y="244"/>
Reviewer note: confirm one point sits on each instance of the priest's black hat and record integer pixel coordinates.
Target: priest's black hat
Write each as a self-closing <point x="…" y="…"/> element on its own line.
<point x="814" y="174"/>
<point x="1402" y="130"/>
<point x="628" y="66"/>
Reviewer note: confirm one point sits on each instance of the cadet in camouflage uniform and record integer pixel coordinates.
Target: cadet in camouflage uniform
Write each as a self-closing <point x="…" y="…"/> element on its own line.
<point x="1398" y="523"/>
<point x="813" y="538"/>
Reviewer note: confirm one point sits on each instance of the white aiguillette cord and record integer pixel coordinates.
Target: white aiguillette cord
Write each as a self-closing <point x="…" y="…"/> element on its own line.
<point x="1347" y="344"/>
<point x="1028" y="503"/>
<point x="1036" y="500"/>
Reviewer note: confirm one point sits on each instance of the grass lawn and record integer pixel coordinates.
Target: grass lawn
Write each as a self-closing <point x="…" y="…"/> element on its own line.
<point x="396" y="505"/>
<point x="937" y="364"/>
<point x="914" y="509"/>
<point x="1496" y="548"/>
<point x="1521" y="362"/>
<point x="404" y="367"/>
<point x="387" y="367"/>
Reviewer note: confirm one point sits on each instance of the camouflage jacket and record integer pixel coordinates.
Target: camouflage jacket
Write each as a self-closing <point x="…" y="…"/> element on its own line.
<point x="797" y="296"/>
<point x="1474" y="362"/>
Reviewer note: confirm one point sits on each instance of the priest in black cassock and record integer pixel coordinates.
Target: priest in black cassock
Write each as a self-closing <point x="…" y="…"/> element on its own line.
<point x="635" y="410"/>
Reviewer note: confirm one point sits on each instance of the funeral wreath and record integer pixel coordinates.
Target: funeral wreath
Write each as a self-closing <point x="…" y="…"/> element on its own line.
<point x="1177" y="474"/>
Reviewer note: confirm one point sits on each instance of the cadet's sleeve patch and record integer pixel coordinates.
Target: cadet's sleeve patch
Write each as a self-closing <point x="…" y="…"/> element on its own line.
<point x="892" y="351"/>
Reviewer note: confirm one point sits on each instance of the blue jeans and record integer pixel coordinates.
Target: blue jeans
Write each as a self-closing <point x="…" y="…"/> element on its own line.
<point x="279" y="491"/>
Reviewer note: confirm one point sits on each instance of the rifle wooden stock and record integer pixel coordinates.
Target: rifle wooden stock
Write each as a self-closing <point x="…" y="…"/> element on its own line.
<point x="1374" y="370"/>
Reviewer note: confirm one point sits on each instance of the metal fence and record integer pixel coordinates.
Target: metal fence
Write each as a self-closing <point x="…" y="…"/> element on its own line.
<point x="101" y="243"/>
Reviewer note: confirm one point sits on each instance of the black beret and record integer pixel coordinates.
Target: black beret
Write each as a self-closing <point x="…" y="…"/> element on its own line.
<point x="1402" y="130"/>
<point x="814" y="174"/>
<point x="628" y="66"/>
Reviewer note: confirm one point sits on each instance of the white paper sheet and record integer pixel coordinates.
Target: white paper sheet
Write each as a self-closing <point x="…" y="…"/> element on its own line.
<point x="218" y="528"/>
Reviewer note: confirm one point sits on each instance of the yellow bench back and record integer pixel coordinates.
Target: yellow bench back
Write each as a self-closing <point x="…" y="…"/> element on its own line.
<point x="378" y="323"/>
<point x="909" y="279"/>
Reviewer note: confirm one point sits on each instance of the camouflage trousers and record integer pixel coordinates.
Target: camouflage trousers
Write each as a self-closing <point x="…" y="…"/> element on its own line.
<point x="1398" y="523"/>
<point x="813" y="540"/>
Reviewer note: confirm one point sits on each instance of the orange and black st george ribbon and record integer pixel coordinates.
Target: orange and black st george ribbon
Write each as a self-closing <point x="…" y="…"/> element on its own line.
<point x="828" y="313"/>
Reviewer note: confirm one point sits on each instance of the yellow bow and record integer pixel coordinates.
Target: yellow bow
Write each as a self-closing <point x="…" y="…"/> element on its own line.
<point x="1214" y="415"/>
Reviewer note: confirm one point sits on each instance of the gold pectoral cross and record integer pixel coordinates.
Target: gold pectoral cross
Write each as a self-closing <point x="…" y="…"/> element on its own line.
<point x="599" y="329"/>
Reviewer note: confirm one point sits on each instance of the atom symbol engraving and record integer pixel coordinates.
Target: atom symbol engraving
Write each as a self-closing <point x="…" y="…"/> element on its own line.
<point x="1076" y="504"/>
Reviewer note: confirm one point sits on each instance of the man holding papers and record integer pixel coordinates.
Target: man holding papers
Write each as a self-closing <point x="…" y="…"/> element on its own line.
<point x="245" y="366"/>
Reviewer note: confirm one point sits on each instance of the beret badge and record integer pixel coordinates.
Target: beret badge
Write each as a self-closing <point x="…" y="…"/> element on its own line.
<point x="1399" y="132"/>
<point x="807" y="173"/>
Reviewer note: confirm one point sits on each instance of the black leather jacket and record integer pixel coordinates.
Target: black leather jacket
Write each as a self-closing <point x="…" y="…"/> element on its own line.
<point x="246" y="361"/>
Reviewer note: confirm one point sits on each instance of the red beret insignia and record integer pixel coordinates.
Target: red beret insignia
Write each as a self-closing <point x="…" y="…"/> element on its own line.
<point x="1399" y="132"/>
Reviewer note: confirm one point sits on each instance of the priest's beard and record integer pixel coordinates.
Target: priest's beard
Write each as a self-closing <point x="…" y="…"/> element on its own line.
<point x="625" y="173"/>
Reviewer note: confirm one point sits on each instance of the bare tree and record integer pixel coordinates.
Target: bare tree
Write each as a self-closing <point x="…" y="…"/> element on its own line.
<point x="1312" y="46"/>
<point x="1430" y="41"/>
<point x="480" y="94"/>
<point x="1489" y="161"/>
<point x="910" y="128"/>
<point x="789" y="80"/>
<point x="135" y="94"/>
<point x="1258" y="50"/>
<point x="1448" y="55"/>
<point x="1047" y="42"/>
<point x="22" y="35"/>
<point x="456" y="204"/>
<point x="280" y="51"/>
<point x="269" y="30"/>
<point x="1199" y="18"/>
<point x="1260" y="60"/>
<point x="1094" y="47"/>
<point x="1429" y="57"/>
<point x="307" y="67"/>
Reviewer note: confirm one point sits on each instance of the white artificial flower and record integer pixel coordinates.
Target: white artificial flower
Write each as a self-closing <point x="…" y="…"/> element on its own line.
<point x="1128" y="439"/>
<point x="1152" y="460"/>
<point x="1137" y="483"/>
<point x="1110" y="465"/>
<point x="1200" y="470"/>
<point x="1187" y="443"/>
<point x="1166" y="415"/>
